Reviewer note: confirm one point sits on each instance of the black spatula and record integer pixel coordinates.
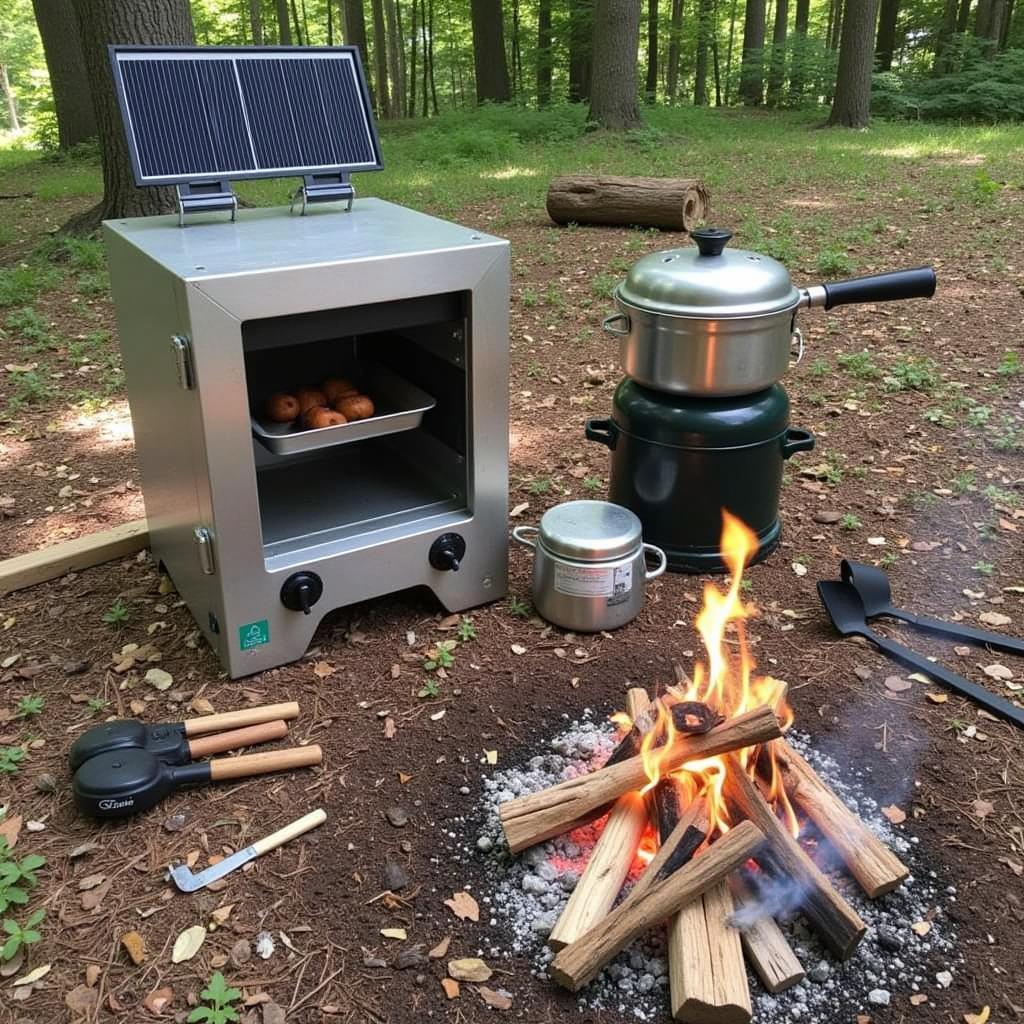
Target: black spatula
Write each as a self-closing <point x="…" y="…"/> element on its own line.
<point x="876" y="595"/>
<point x="846" y="611"/>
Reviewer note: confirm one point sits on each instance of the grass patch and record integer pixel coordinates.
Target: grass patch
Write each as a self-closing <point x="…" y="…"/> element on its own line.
<point x="19" y="285"/>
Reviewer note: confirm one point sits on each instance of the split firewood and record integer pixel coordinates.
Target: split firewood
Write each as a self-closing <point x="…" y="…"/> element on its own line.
<point x="580" y="963"/>
<point x="539" y="816"/>
<point x="642" y="722"/>
<point x="837" y="922"/>
<point x="766" y="947"/>
<point x="612" y="855"/>
<point x="675" y="204"/>
<point x="707" y="977"/>
<point x="870" y="861"/>
<point x="677" y="848"/>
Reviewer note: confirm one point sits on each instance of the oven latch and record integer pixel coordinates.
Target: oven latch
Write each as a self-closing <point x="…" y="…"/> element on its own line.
<point x="182" y="349"/>
<point x="204" y="545"/>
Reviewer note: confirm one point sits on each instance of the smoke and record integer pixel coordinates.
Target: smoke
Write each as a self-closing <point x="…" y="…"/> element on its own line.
<point x="772" y="895"/>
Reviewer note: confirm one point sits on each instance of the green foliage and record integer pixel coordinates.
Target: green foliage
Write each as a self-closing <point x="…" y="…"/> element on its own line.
<point x="916" y="373"/>
<point x="849" y="522"/>
<point x="27" y="323"/>
<point x="466" y="630"/>
<point x="539" y="485"/>
<point x="20" y="284"/>
<point x="116" y="614"/>
<point x="518" y="607"/>
<point x="10" y="759"/>
<point x="27" y="388"/>
<point x="833" y="262"/>
<point x="19" y="936"/>
<point x="219" y="999"/>
<point x="96" y="705"/>
<point x="17" y="880"/>
<point x="860" y="364"/>
<point x="29" y="706"/>
<point x="428" y="689"/>
<point x="984" y="568"/>
<point x="962" y="483"/>
<point x="1010" y="365"/>
<point x="440" y="656"/>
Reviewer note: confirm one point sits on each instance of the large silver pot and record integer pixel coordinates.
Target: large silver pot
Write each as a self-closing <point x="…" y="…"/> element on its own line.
<point x="711" y="322"/>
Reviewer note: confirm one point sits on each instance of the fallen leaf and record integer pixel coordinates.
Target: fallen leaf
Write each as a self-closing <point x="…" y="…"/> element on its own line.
<point x="81" y="1000"/>
<point x="491" y="756"/>
<point x="982" y="808"/>
<point x="323" y="669"/>
<point x="33" y="976"/>
<point x="470" y="968"/>
<point x="921" y="928"/>
<point x="201" y="706"/>
<point x="135" y="946"/>
<point x="918" y="998"/>
<point x="897" y="684"/>
<point x="389" y="728"/>
<point x="919" y="677"/>
<point x="90" y="882"/>
<point x="463" y="906"/>
<point x="995" y="619"/>
<point x="394" y="933"/>
<point x="451" y="987"/>
<point x="981" y="1017"/>
<point x="10" y="828"/>
<point x="894" y="814"/>
<point x="221" y="914"/>
<point x="1014" y="865"/>
<point x="937" y="698"/>
<point x="83" y="849"/>
<point x="438" y="715"/>
<point x="497" y="1000"/>
<point x="800" y="569"/>
<point x="440" y="949"/>
<point x="187" y="944"/>
<point x="94" y="897"/>
<point x="997" y="671"/>
<point x="876" y="542"/>
<point x="519" y="509"/>
<point x="404" y="777"/>
<point x="159" y="679"/>
<point x="518" y="649"/>
<point x="157" y="1001"/>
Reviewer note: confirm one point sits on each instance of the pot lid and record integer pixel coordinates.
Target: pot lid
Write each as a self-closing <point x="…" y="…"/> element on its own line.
<point x="590" y="531"/>
<point x="708" y="280"/>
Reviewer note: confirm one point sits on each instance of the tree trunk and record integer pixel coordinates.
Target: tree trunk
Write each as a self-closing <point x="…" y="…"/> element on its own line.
<point x="851" y="107"/>
<point x="728" y="52"/>
<point x="330" y="21"/>
<point x="1004" y="37"/>
<point x="101" y="22"/>
<point x="798" y="61"/>
<point x="581" y="31"/>
<point x="489" y="58"/>
<point x="651" y="84"/>
<point x="988" y="25"/>
<point x="544" y="53"/>
<point x="888" y="15"/>
<point x="963" y="16"/>
<point x="777" y="64"/>
<point x="380" y="59"/>
<point x="613" y="75"/>
<point x="413" y="47"/>
<point x="704" y="30"/>
<point x="354" y="25"/>
<point x="76" y="121"/>
<point x="752" y="69"/>
<point x="428" y="42"/>
<point x="394" y="54"/>
<point x="297" y="25"/>
<point x="517" y="52"/>
<point x="284" y="26"/>
<point x="674" y="41"/>
<point x="944" y="50"/>
<point x="837" y="23"/>
<point x="12" y="107"/>
<point x="714" y="56"/>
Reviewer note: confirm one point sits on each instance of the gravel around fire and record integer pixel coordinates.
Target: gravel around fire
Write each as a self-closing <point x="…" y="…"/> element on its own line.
<point x="534" y="888"/>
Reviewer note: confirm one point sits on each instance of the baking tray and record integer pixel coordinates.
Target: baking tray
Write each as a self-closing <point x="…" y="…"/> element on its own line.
<point x="399" y="406"/>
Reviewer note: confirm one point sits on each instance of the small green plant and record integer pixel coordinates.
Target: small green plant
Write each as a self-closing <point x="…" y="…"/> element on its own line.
<point x="27" y="388"/>
<point x="534" y="369"/>
<point x="833" y="470"/>
<point x="819" y="368"/>
<point x="19" y="936"/>
<point x="962" y="483"/>
<point x="979" y="415"/>
<point x="20" y="284"/>
<point x="1000" y="496"/>
<point x="17" y="878"/>
<point x="984" y="568"/>
<point x="1008" y="437"/>
<point x="860" y="365"/>
<point x="466" y="630"/>
<point x="984" y="188"/>
<point x="96" y="705"/>
<point x="913" y="374"/>
<point x="518" y="607"/>
<point x="440" y="656"/>
<point x="93" y="283"/>
<point x="10" y="759"/>
<point x="428" y="689"/>
<point x="592" y="483"/>
<point x="220" y="1000"/>
<point x="890" y="558"/>
<point x="539" y="485"/>
<point x="116" y="614"/>
<point x="938" y="416"/>
<point x="849" y="522"/>
<point x="833" y="261"/>
<point x="603" y="284"/>
<point x="1010" y="365"/>
<point x="530" y="297"/>
<point x="27" y="323"/>
<point x="29" y="706"/>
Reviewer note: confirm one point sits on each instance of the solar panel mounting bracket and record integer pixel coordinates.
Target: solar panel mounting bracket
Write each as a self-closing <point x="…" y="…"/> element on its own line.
<point x="324" y="188"/>
<point x="204" y="196"/>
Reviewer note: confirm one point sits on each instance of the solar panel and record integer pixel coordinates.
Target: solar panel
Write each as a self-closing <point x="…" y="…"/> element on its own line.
<point x="201" y="114"/>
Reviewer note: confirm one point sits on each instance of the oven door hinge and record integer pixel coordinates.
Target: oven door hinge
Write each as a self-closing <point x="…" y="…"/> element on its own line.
<point x="204" y="546"/>
<point x="182" y="349"/>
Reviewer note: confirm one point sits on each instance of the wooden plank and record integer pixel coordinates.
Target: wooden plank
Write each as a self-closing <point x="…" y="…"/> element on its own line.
<point x="71" y="555"/>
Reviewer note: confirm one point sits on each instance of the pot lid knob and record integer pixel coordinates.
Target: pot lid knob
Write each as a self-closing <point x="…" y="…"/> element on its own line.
<point x="711" y="241"/>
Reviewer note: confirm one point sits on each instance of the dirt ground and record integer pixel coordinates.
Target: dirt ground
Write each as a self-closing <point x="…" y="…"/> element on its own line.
<point x="931" y="488"/>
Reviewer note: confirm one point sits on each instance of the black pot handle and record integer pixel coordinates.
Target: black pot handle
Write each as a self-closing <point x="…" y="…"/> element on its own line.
<point x="796" y="440"/>
<point x="916" y="283"/>
<point x="605" y="432"/>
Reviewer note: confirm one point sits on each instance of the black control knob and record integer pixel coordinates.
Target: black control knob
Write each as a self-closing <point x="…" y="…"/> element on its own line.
<point x="301" y="591"/>
<point x="447" y="552"/>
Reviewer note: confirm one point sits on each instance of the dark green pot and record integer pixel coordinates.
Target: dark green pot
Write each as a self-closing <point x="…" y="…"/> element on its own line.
<point x="677" y="462"/>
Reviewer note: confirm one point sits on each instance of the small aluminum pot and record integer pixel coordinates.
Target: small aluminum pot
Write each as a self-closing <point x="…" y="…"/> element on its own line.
<point x="589" y="565"/>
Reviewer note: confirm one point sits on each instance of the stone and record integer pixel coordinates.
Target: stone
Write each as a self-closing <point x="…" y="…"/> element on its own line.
<point x="273" y="1014"/>
<point x="534" y="884"/>
<point x="879" y="997"/>
<point x="241" y="952"/>
<point x="819" y="972"/>
<point x="944" y="979"/>
<point x="411" y="957"/>
<point x="890" y="940"/>
<point x="398" y="816"/>
<point x="395" y="877"/>
<point x="45" y="783"/>
<point x="485" y="844"/>
<point x="469" y="969"/>
<point x="827" y="517"/>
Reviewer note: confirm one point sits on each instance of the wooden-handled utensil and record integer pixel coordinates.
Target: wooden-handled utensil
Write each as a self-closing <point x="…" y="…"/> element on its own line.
<point x="121" y="783"/>
<point x="169" y="741"/>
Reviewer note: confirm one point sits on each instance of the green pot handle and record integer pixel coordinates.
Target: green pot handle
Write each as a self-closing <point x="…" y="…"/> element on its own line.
<point x="796" y="440"/>
<point x="605" y="432"/>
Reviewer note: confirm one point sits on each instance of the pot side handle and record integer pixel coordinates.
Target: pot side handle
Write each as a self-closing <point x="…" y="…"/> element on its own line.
<point x="605" y="432"/>
<point x="519" y="534"/>
<point x="796" y="440"/>
<point x="609" y="322"/>
<point x="915" y="283"/>
<point x="653" y="549"/>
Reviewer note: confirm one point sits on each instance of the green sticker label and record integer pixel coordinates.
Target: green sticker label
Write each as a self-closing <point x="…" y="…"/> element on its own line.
<point x="255" y="634"/>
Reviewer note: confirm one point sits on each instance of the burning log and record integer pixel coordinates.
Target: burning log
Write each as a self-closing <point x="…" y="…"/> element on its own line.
<point x="705" y="962"/>
<point x="539" y="816"/>
<point x="613" y="853"/>
<point x="839" y="924"/>
<point x="870" y="861"/>
<point x="766" y="947"/>
<point x="677" y="848"/>
<point x="580" y="962"/>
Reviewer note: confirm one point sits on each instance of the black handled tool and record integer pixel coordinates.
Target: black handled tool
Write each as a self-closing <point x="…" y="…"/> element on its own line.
<point x="876" y="595"/>
<point x="121" y="783"/>
<point x="169" y="741"/>
<point x="846" y="611"/>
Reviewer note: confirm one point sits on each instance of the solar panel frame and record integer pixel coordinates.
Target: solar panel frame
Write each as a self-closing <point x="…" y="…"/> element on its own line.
<point x="121" y="57"/>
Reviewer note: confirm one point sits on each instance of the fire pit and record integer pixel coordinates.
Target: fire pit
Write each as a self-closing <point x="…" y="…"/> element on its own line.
<point x="694" y="812"/>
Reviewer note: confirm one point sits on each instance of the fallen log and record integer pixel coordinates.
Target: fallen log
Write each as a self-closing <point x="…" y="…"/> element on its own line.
<point x="707" y="978"/>
<point x="766" y="947"/>
<point x="837" y="922"/>
<point x="672" y="204"/>
<point x="612" y="855"/>
<point x="580" y="962"/>
<point x="539" y="816"/>
<point x="877" y="869"/>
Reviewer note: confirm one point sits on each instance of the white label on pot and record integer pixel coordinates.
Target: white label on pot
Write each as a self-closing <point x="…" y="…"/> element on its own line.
<point x="622" y="584"/>
<point x="584" y="581"/>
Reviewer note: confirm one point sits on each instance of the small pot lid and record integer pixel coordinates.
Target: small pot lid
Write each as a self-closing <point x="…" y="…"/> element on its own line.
<point x="590" y="531"/>
<point x="708" y="280"/>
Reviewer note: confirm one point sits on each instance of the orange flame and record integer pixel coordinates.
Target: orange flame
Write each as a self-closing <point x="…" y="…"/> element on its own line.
<point x="621" y="721"/>
<point x="656" y="744"/>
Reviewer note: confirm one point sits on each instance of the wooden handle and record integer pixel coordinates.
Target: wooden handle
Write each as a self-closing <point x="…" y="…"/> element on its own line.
<point x="239" y="719"/>
<point x="237" y="738"/>
<point x="283" y="835"/>
<point x="261" y="764"/>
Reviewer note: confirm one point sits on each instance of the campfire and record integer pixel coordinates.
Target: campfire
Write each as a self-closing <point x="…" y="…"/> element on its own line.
<point x="704" y="791"/>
